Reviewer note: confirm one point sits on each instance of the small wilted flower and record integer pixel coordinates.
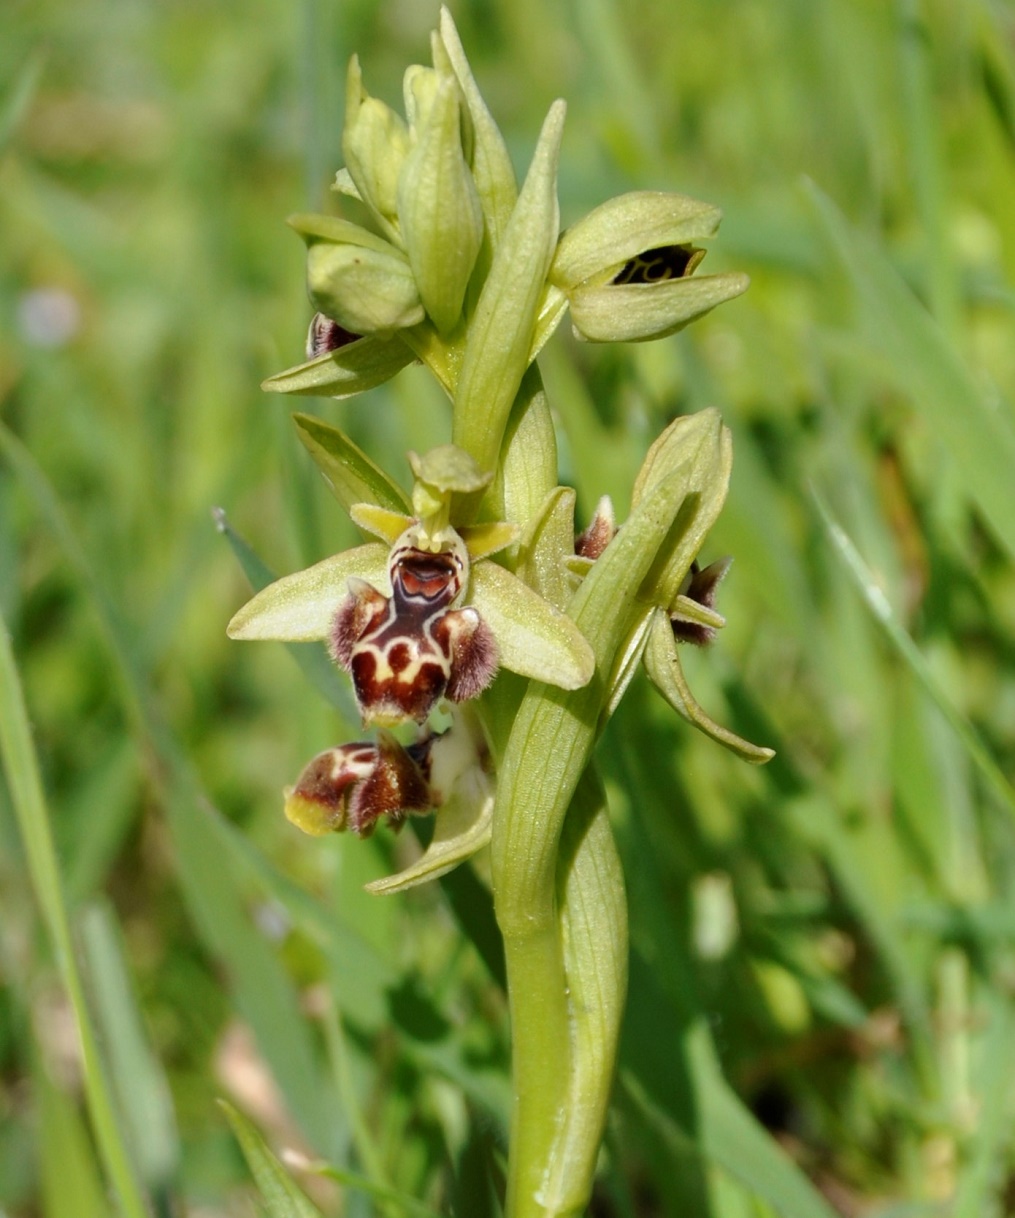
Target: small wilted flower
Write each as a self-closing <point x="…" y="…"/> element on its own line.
<point x="601" y="530"/>
<point x="354" y="786"/>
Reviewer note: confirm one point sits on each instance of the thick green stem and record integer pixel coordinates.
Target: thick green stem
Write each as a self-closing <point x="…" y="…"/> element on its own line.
<point x="544" y="760"/>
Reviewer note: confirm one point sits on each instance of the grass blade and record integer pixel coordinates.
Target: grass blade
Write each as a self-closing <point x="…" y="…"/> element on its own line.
<point x="22" y="769"/>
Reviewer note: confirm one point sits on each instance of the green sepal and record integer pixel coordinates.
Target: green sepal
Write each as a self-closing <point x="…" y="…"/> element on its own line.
<point x="348" y="471"/>
<point x="534" y="639"/>
<point x="501" y="330"/>
<point x="367" y="291"/>
<point x="703" y="444"/>
<point x="491" y="165"/>
<point x="314" y="226"/>
<point x="386" y="523"/>
<point x="460" y="829"/>
<point x="640" y="312"/>
<point x="439" y="211"/>
<point x="662" y="663"/>
<point x="299" y="608"/>
<point x="346" y="371"/>
<point x="482" y="540"/>
<point x="375" y="143"/>
<point x="623" y="227"/>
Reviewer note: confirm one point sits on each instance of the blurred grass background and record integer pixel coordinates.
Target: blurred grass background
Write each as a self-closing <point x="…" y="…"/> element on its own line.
<point x="833" y="935"/>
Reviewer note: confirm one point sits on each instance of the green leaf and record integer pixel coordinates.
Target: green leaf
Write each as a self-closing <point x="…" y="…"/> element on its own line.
<point x="348" y="471"/>
<point x="346" y="371"/>
<point x="140" y="1085"/>
<point x="70" y="1180"/>
<point x="534" y="639"/>
<point x="977" y="436"/>
<point x="282" y="1197"/>
<point x="300" y="607"/>
<point x="662" y="662"/>
<point x="881" y="610"/>
<point x="593" y="915"/>
<point x="21" y="769"/>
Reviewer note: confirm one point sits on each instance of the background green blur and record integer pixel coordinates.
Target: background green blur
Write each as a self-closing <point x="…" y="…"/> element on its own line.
<point x="823" y="968"/>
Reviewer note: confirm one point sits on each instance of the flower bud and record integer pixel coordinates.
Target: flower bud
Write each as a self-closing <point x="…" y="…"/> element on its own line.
<point x="626" y="267"/>
<point x="375" y="142"/>
<point x="419" y="88"/>
<point x="439" y="212"/>
<point x="367" y="291"/>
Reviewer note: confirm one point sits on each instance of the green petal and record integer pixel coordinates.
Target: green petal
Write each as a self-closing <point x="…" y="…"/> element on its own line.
<point x="501" y="331"/>
<point x="346" y="371"/>
<point x="534" y="639"/>
<point x="299" y="608"/>
<point x="687" y="610"/>
<point x="639" y="312"/>
<point x="349" y="472"/>
<point x="365" y="290"/>
<point x="482" y="540"/>
<point x="662" y="662"/>
<point x="461" y="828"/>
<point x="439" y="211"/>
<point x="380" y="522"/>
<point x="625" y="226"/>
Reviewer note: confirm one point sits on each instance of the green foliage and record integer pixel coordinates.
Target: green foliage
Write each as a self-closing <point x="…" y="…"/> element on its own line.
<point x="825" y="942"/>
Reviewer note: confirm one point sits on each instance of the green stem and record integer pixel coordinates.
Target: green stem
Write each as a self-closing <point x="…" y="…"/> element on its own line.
<point x="21" y="767"/>
<point x="544" y="760"/>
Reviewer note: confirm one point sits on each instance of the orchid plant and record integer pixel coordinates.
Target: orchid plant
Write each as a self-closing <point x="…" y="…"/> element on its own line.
<point x="479" y="573"/>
